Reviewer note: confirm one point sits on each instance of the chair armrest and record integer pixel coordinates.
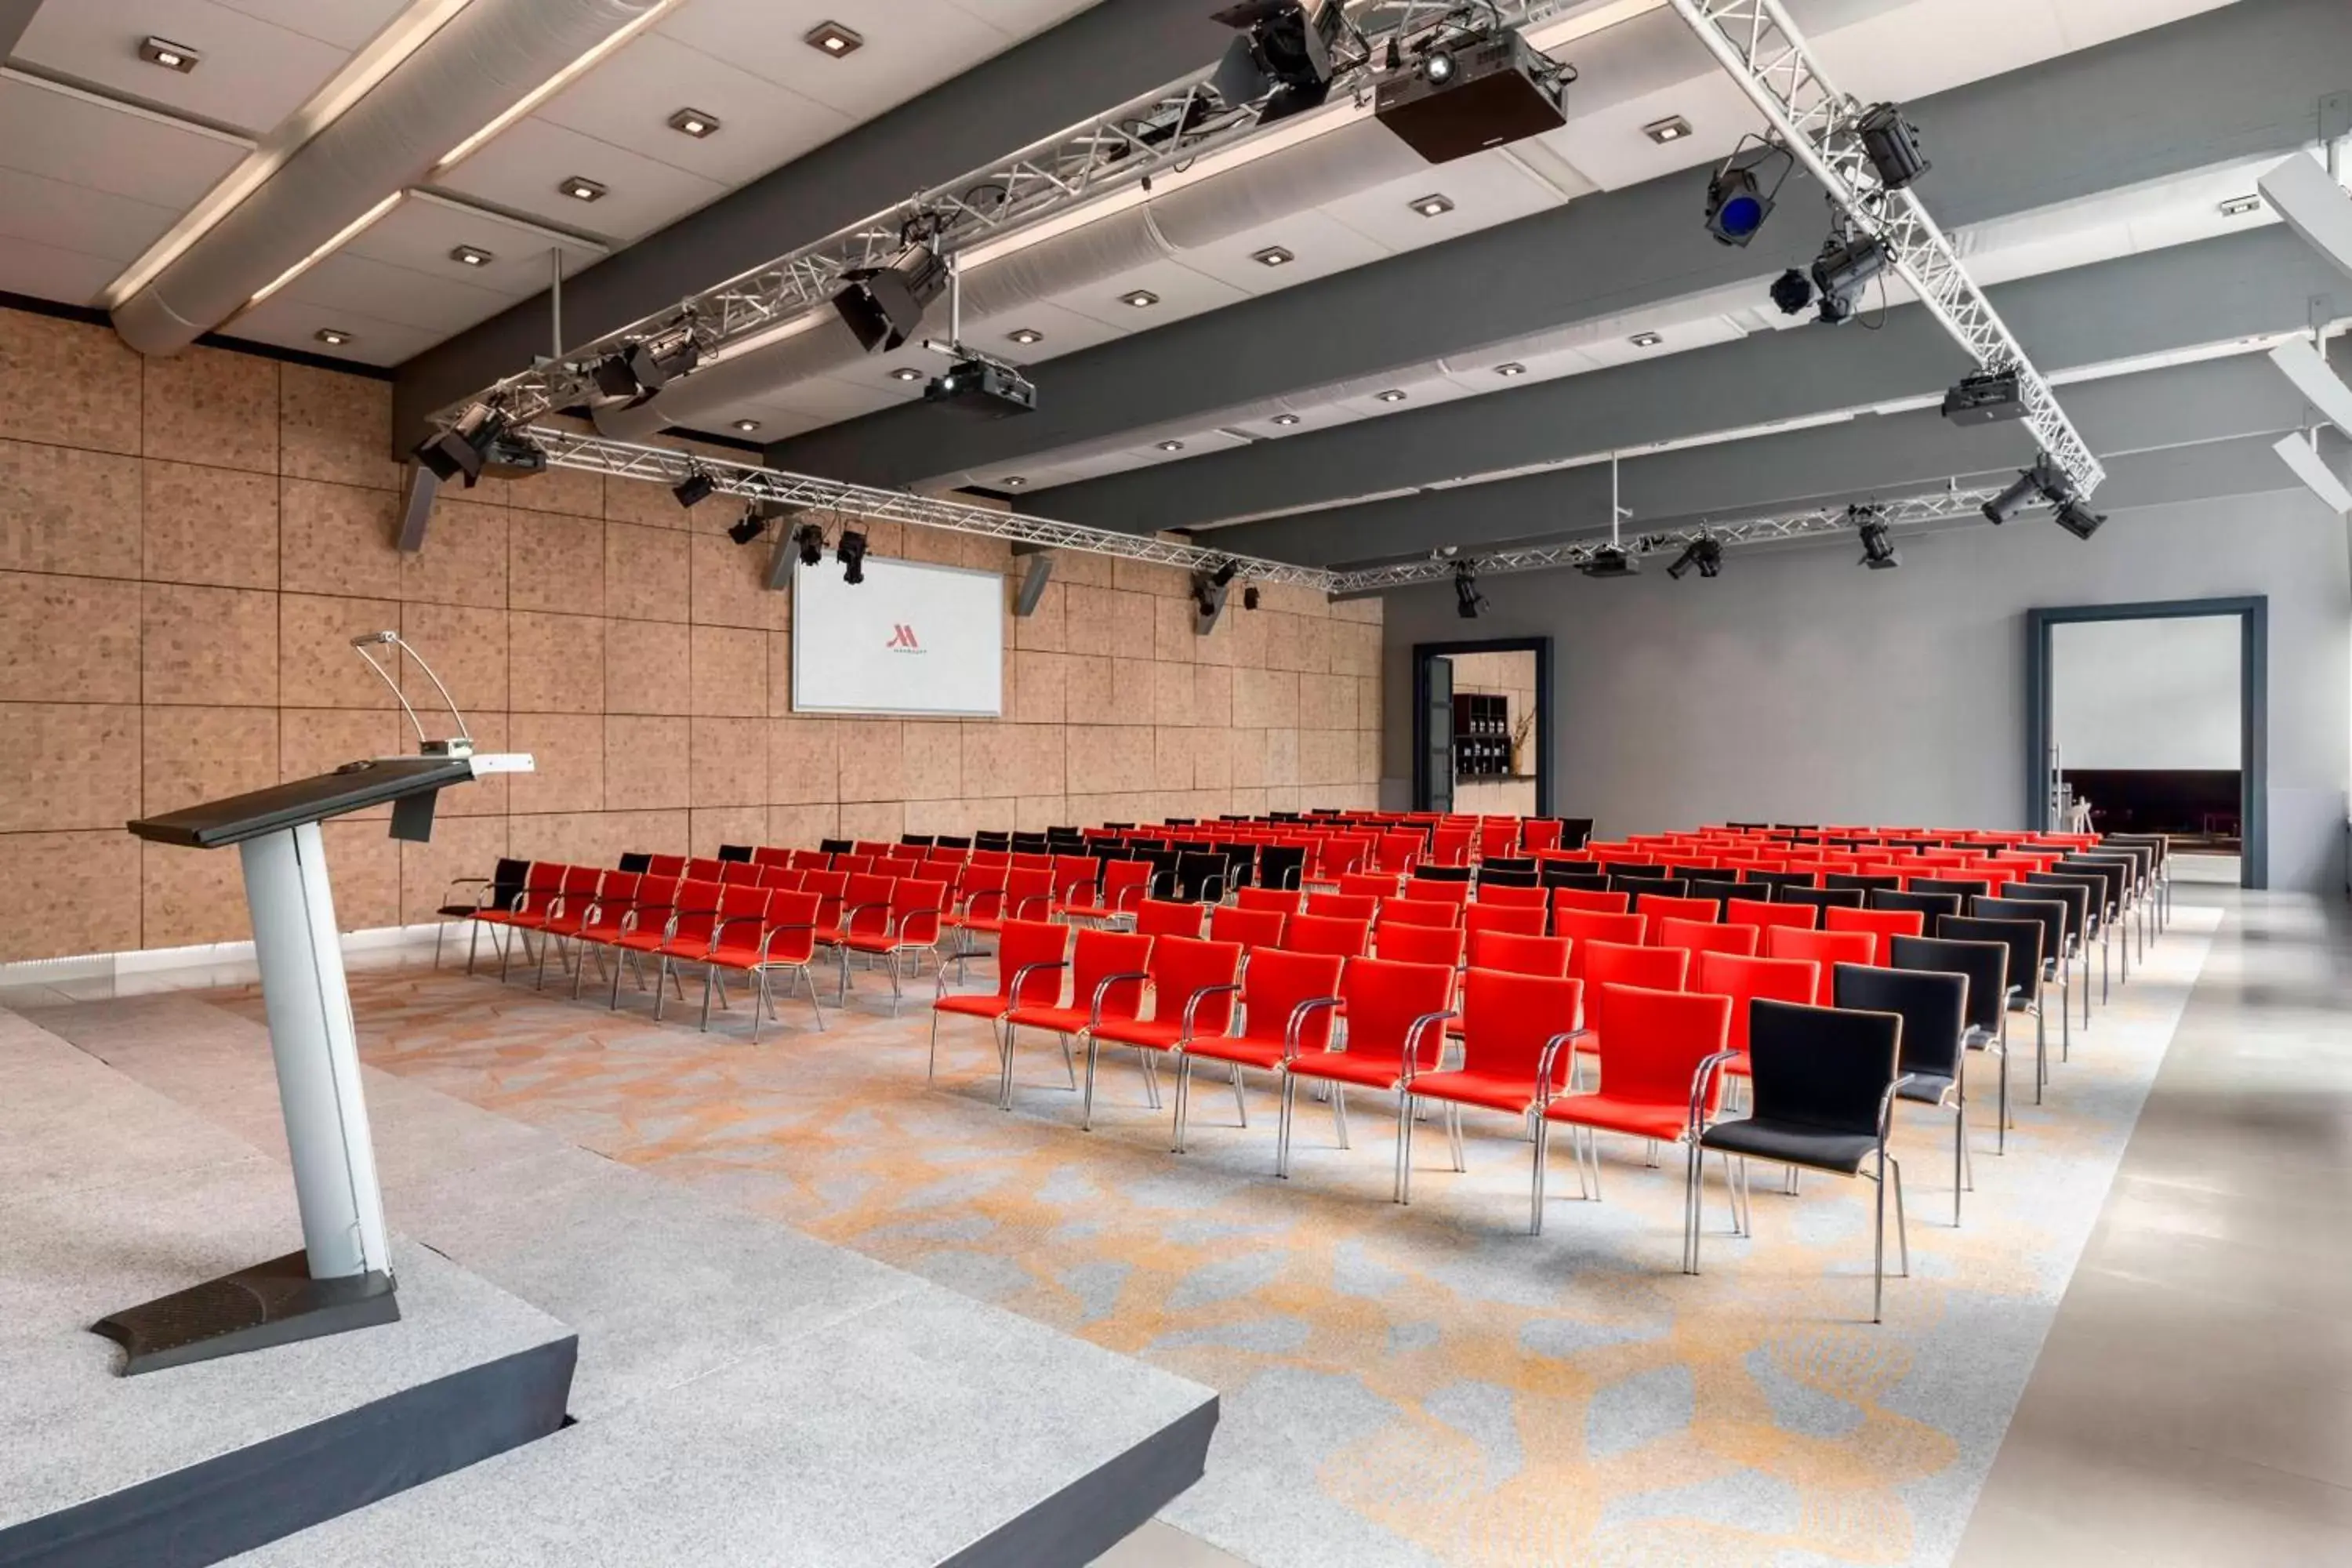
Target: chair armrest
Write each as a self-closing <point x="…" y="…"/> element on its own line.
<point x="1299" y="1015"/>
<point x="1193" y="1006"/>
<point x="1021" y="977"/>
<point x="1102" y="989"/>
<point x="1886" y="1107"/>
<point x="1550" y="1060"/>
<point x="1416" y="1031"/>
<point x="719" y="928"/>
<point x="1709" y="1069"/>
<point x="768" y="943"/>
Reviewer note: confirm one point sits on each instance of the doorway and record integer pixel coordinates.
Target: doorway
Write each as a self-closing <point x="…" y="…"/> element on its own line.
<point x="2150" y="718"/>
<point x="1482" y="727"/>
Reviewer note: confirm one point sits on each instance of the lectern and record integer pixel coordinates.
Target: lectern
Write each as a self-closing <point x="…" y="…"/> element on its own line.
<point x="341" y="1279"/>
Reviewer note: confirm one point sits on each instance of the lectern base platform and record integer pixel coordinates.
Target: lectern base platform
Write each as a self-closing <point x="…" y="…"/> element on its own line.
<point x="272" y="1303"/>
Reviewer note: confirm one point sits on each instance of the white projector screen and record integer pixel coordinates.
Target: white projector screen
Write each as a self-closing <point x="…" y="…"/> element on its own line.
<point x="909" y="640"/>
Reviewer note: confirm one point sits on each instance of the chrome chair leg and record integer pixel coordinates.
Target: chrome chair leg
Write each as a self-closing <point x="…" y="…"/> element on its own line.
<point x="1339" y="1114"/>
<point x="1282" y="1131"/>
<point x="1241" y="1100"/>
<point x="1401" y="1191"/>
<point x="1183" y="1098"/>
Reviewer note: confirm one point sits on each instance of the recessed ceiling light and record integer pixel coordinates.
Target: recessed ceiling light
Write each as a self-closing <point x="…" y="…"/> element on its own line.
<point x="1513" y="368"/>
<point x="1273" y="256"/>
<point x="906" y="373"/>
<point x="1141" y="298"/>
<point x="334" y="337"/>
<point x="1674" y="128"/>
<point x="747" y="426"/>
<point x="1285" y="419"/>
<point x="2239" y="207"/>
<point x="1013" y="481"/>
<point x="1172" y="446"/>
<point x="1025" y="335"/>
<point x="471" y="255"/>
<point x="1393" y="395"/>
<point x="1646" y="340"/>
<point x="831" y="38"/>
<point x="581" y="190"/>
<point x="170" y="55"/>
<point x="694" y="123"/>
<point x="1432" y="204"/>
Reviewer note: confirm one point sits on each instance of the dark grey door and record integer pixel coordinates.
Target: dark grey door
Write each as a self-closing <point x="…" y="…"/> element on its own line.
<point x="1437" y="724"/>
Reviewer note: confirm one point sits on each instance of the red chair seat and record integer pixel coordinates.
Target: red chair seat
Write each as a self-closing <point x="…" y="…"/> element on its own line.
<point x="1149" y="1033"/>
<point x="1061" y="1020"/>
<point x="1642" y="1119"/>
<point x="972" y="1004"/>
<point x="1246" y="1050"/>
<point x="1373" y="1072"/>
<point x="1494" y="1091"/>
<point x="640" y="938"/>
<point x="873" y="942"/>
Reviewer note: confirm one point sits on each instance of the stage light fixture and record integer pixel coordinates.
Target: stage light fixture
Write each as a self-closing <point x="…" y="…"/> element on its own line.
<point x="1249" y="596"/>
<point x="2015" y="499"/>
<point x="1468" y="600"/>
<point x="1794" y="292"/>
<point x="1892" y="144"/>
<point x="695" y="489"/>
<point x="748" y="527"/>
<point x="1843" y="269"/>
<point x="2075" y="516"/>
<point x="461" y="448"/>
<point x="1877" y="544"/>
<point x="1704" y="554"/>
<point x="1282" y="54"/>
<point x="884" y="305"/>
<point x="809" y="538"/>
<point x="851" y="552"/>
<point x="1736" y="206"/>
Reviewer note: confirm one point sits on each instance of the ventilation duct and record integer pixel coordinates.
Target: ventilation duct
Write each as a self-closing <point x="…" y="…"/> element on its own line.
<point x="481" y="63"/>
<point x="1212" y="205"/>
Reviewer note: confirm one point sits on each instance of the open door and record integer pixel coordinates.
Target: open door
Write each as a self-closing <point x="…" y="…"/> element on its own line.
<point x="1437" y="736"/>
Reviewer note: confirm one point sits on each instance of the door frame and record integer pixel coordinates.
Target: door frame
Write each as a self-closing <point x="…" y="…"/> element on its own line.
<point x="1546" y="735"/>
<point x="2254" y="708"/>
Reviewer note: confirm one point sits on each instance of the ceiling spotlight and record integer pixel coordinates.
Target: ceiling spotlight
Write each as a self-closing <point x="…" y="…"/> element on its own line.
<point x="1014" y="482"/>
<point x="2046" y="480"/>
<point x="2076" y="518"/>
<point x="581" y="190"/>
<point x="1877" y="544"/>
<point x="906" y="373"/>
<point x="851" y="552"/>
<point x="1393" y="394"/>
<point x="1468" y="600"/>
<point x="644" y="368"/>
<point x="695" y="123"/>
<point x="1511" y="369"/>
<point x="1139" y="299"/>
<point x="1172" y="446"/>
<point x="694" y="490"/>
<point x="1646" y="340"/>
<point x="1025" y="336"/>
<point x="462" y="448"/>
<point x="749" y="527"/>
<point x="810" y="539"/>
<point x="1792" y="291"/>
<point x="1281" y="59"/>
<point x="1432" y="204"/>
<point x="471" y="255"/>
<point x="1284" y="419"/>
<point x="1273" y="256"/>
<point x="747" y="426"/>
<point x="1705" y="553"/>
<point x="883" y="306"/>
<point x="831" y="38"/>
<point x="1736" y="206"/>
<point x="2014" y="499"/>
<point x="1843" y="269"/>
<point x="1892" y="144"/>
<point x="170" y="55"/>
<point x="333" y="337"/>
<point x="2242" y="206"/>
<point x="1249" y="596"/>
<point x="1674" y="128"/>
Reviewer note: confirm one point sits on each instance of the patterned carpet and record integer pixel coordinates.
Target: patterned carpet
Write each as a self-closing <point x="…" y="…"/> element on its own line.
<point x="1400" y="1386"/>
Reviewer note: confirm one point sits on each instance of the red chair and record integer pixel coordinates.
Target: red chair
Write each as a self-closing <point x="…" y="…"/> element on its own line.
<point x="1165" y="917"/>
<point x="1282" y="900"/>
<point x="673" y="866"/>
<point x="1522" y="921"/>
<point x="1824" y="949"/>
<point x="1588" y="901"/>
<point x="1498" y="840"/>
<point x="705" y="868"/>
<point x="1420" y="912"/>
<point x="979" y="908"/>
<point x="1494" y="896"/>
<point x="1392" y="1011"/>
<point x="685" y="936"/>
<point x="910" y="928"/>
<point x="830" y="888"/>
<point x="1517" y="954"/>
<point x="1401" y="941"/>
<point x="564" y="916"/>
<point x="1449" y="844"/>
<point x="601" y="920"/>
<point x="1660" y="1079"/>
<point x="1029" y="956"/>
<point x="1884" y="926"/>
<point x="865" y="908"/>
<point x="1702" y="937"/>
<point x="1288" y="1001"/>
<point x="1193" y="992"/>
<point x="782" y="936"/>
<point x="1106" y="977"/>
<point x="1607" y="964"/>
<point x="1125" y="885"/>
<point x="1584" y="929"/>
<point x="774" y="878"/>
<point x="1326" y="934"/>
<point x="1365" y="884"/>
<point x="1426" y="891"/>
<point x="1513" y="1026"/>
<point x="1665" y="906"/>
<point x="1757" y="912"/>
<point x="543" y="886"/>
<point x="1251" y="929"/>
<point x="1343" y="906"/>
<point x="1398" y="852"/>
<point x="1744" y="980"/>
<point x="733" y="871"/>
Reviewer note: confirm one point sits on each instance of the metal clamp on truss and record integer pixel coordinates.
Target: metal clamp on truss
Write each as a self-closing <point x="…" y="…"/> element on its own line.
<point x="1755" y="41"/>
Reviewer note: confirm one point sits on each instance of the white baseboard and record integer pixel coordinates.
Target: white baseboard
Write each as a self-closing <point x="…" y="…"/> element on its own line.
<point x="203" y="955"/>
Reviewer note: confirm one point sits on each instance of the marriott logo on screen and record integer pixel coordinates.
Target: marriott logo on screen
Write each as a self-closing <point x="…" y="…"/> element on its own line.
<point x="902" y="639"/>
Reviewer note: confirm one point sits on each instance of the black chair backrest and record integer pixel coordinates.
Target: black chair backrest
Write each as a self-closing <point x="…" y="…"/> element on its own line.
<point x="1575" y="832"/>
<point x="1826" y="1067"/>
<point x="1868" y="884"/>
<point x="1241" y="864"/>
<point x="2139" y="857"/>
<point x="987" y="838"/>
<point x="1633" y="868"/>
<point x="1488" y="877"/>
<point x="1694" y="873"/>
<point x="1670" y="887"/>
<point x="734" y="852"/>
<point x="835" y="846"/>
<point x="1032" y="844"/>
<point x="2022" y="937"/>
<point x="1929" y="907"/>
<point x="1748" y="827"/>
<point x="2087" y="896"/>
<point x="1721" y="892"/>
<point x="2050" y="913"/>
<point x="1933" y="1007"/>
<point x="918" y="840"/>
<point x="1180" y="821"/>
<point x="1282" y="865"/>
<point x="1116" y="826"/>
<point x="1559" y="876"/>
<point x="1820" y="898"/>
<point x="1441" y="873"/>
<point x="633" y="862"/>
<point x="1510" y="862"/>
<point x="1961" y="888"/>
<point x="507" y="879"/>
<point x="1777" y="880"/>
<point x="1200" y="877"/>
<point x="952" y="841"/>
<point x="2117" y="873"/>
<point x="1985" y="963"/>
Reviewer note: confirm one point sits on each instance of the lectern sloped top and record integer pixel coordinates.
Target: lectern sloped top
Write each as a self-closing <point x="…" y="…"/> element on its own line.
<point x="355" y="786"/>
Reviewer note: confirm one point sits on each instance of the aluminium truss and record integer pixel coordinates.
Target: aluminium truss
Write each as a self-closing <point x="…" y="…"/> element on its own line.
<point x="1909" y="512"/>
<point x="1760" y="47"/>
<point x="1158" y="132"/>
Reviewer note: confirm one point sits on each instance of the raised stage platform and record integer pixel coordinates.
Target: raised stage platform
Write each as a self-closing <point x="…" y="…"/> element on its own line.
<point x="745" y="1394"/>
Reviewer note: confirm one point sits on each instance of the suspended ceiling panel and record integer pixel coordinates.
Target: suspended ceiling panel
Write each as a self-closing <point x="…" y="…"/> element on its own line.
<point x="253" y="73"/>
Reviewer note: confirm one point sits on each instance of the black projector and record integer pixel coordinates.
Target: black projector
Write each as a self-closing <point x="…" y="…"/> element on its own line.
<point x="1985" y="398"/>
<point x="987" y="391"/>
<point x="1470" y="95"/>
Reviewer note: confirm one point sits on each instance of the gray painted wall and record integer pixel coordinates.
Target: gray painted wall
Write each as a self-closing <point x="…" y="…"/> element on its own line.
<point x="1799" y="686"/>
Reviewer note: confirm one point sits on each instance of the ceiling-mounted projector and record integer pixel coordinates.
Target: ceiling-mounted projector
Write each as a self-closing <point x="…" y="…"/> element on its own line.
<point x="988" y="389"/>
<point x="1465" y="94"/>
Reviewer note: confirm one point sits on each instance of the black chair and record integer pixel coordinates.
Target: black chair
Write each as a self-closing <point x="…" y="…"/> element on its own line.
<point x="2024" y="941"/>
<point x="1986" y="966"/>
<point x="2052" y="912"/>
<point x="1721" y="892"/>
<point x="1671" y="887"/>
<point x="1821" y="1093"/>
<point x="2124" y="873"/>
<point x="2115" y="881"/>
<point x="1868" y="884"/>
<point x="1241" y="864"/>
<point x="1934" y="1009"/>
<point x="1032" y="844"/>
<point x="835" y="847"/>
<point x="986" y="839"/>
<point x="918" y="840"/>
<point x="1776" y="880"/>
<point x="1441" y="873"/>
<point x="1559" y="876"/>
<point x="2086" y="902"/>
<point x="1820" y="898"/>
<point x="1748" y="826"/>
<point x="1633" y="868"/>
<point x="1575" y="832"/>
<point x="1961" y="888"/>
<point x="1693" y="873"/>
<point x="1201" y="878"/>
<point x="1180" y="821"/>
<point x="1510" y="862"/>
<point x="1929" y="907"/>
<point x="735" y="852"/>
<point x="2160" y="848"/>
<point x="1282" y="865"/>
<point x="500" y="890"/>
<point x="1488" y="877"/>
<point x="634" y="862"/>
<point x="1284" y="817"/>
